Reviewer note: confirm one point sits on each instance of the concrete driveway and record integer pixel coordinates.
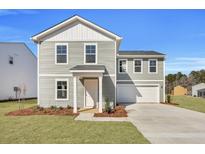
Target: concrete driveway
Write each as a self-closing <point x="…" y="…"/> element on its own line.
<point x="161" y="123"/>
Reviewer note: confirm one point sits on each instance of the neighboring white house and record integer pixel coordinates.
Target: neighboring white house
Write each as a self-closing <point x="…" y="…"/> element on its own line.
<point x="18" y="68"/>
<point x="198" y="90"/>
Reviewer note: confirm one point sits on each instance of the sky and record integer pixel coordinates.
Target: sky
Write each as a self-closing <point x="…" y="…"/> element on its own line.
<point x="180" y="34"/>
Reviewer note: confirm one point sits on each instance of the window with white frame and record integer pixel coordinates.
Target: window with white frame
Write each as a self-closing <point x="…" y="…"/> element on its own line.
<point x="61" y="53"/>
<point x="122" y="65"/>
<point x="138" y="65"/>
<point x="152" y="66"/>
<point x="90" y="53"/>
<point x="61" y="89"/>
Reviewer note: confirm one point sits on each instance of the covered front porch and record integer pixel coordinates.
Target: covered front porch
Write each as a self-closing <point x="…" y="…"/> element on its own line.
<point x="91" y="77"/>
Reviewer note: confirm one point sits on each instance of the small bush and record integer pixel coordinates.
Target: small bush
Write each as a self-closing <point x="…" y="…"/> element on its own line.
<point x="61" y="108"/>
<point x="69" y="107"/>
<point x="168" y="98"/>
<point x="107" y="106"/>
<point x="53" y="107"/>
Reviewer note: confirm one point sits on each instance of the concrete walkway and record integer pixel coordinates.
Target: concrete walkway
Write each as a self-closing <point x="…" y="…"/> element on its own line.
<point x="90" y="117"/>
<point x="161" y="123"/>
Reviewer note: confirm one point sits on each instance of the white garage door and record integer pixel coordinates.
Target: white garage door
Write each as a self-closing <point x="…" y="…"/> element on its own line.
<point x="130" y="93"/>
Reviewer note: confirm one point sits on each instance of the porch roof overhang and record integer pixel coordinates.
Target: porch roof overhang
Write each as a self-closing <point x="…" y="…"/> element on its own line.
<point x="201" y="90"/>
<point x="87" y="70"/>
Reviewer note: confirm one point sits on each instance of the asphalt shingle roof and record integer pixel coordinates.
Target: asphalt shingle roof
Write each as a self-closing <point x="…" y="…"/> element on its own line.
<point x="88" y="67"/>
<point x="139" y="52"/>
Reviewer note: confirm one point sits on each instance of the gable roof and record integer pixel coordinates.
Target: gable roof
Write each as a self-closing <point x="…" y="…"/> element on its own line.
<point x="139" y="52"/>
<point x="70" y="20"/>
<point x="199" y="85"/>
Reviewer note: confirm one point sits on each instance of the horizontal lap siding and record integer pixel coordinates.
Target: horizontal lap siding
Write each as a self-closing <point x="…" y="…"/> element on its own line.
<point x="106" y="56"/>
<point x="108" y="88"/>
<point x="47" y="92"/>
<point x="145" y="75"/>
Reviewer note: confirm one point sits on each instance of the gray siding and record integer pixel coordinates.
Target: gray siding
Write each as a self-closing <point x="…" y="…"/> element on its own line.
<point x="145" y="75"/>
<point x="47" y="91"/>
<point x="47" y="66"/>
<point x="105" y="56"/>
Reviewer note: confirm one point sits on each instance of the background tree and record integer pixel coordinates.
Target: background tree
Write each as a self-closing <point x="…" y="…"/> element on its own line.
<point x="195" y="77"/>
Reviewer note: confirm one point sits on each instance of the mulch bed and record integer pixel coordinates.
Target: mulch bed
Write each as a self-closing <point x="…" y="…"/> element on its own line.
<point x="172" y="103"/>
<point x="42" y="111"/>
<point x="119" y="111"/>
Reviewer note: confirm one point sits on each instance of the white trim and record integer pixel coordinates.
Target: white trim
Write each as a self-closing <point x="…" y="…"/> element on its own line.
<point x="38" y="93"/>
<point x="61" y="79"/>
<point x="138" y="80"/>
<point x="100" y="94"/>
<point x="141" y="66"/>
<point x="141" y="56"/>
<point x="106" y="75"/>
<point x="149" y="66"/>
<point x="70" y="20"/>
<point x="147" y="84"/>
<point x="115" y="73"/>
<point x="96" y="53"/>
<point x="119" y="66"/>
<point x="56" y="44"/>
<point x="85" y="71"/>
<point x="75" y="106"/>
<point x="164" y="92"/>
<point x="56" y="75"/>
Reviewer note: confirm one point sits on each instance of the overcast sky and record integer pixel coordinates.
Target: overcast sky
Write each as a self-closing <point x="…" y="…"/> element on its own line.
<point x="180" y="34"/>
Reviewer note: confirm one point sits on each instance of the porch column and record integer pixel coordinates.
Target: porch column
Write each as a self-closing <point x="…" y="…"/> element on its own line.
<point x="100" y="94"/>
<point x="74" y="94"/>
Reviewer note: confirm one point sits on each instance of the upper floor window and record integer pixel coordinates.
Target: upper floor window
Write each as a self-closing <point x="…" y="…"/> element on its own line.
<point x="152" y="66"/>
<point x="137" y="65"/>
<point x="61" y="89"/>
<point x="61" y="53"/>
<point x="122" y="65"/>
<point x="90" y="54"/>
<point x="11" y="60"/>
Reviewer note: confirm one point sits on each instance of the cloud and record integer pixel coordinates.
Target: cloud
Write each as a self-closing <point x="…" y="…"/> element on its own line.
<point x="17" y="12"/>
<point x="185" y="64"/>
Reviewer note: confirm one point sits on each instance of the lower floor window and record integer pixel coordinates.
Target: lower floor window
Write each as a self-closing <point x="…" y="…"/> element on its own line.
<point x="62" y="89"/>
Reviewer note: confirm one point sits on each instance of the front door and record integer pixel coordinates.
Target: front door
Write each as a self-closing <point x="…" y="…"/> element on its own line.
<point x="91" y="92"/>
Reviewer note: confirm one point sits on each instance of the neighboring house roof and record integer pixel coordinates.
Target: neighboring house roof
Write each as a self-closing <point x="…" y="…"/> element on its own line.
<point x="203" y="89"/>
<point x="199" y="86"/>
<point x="14" y="45"/>
<point x="70" y="20"/>
<point x="79" y="68"/>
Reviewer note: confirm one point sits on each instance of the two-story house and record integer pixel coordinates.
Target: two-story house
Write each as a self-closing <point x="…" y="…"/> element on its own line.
<point x="80" y="65"/>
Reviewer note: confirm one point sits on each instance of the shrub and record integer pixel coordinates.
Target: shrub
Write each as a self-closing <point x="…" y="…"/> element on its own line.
<point x="107" y="105"/>
<point x="53" y="107"/>
<point x="168" y="98"/>
<point x="69" y="107"/>
<point x="61" y="108"/>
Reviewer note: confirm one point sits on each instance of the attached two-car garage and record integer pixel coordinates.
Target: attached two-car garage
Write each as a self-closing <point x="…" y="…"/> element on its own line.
<point x="131" y="93"/>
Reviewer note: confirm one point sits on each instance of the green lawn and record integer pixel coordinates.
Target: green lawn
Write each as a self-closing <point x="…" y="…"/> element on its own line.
<point x="189" y="102"/>
<point x="62" y="129"/>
